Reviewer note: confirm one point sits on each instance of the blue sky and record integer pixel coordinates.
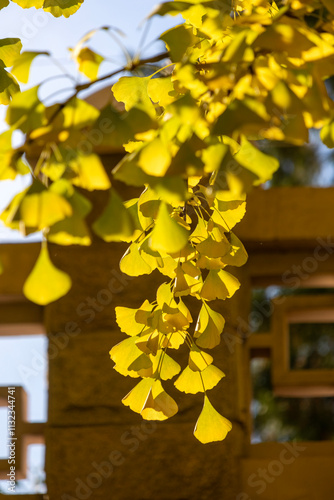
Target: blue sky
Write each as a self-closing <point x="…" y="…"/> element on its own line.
<point x="40" y="31"/>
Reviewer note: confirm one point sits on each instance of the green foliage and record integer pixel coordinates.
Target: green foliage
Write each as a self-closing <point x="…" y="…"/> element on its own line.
<point x="190" y="136"/>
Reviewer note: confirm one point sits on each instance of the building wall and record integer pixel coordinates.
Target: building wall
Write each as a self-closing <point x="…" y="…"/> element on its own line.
<point x="97" y="448"/>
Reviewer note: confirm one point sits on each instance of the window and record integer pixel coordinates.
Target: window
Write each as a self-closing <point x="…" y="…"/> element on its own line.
<point x="291" y="356"/>
<point x="23" y="359"/>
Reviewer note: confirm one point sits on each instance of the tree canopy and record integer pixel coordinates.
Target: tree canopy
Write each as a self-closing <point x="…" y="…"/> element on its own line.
<point x="233" y="74"/>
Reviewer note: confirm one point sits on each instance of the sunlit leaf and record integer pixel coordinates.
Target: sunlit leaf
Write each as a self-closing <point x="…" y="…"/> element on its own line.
<point x="213" y="157"/>
<point x="62" y="7"/>
<point x="262" y="165"/>
<point x="165" y="366"/>
<point x="132" y="262"/>
<point x="9" y="50"/>
<point x="132" y="90"/>
<point x="64" y="120"/>
<point x="228" y="210"/>
<point x="192" y="382"/>
<point x="125" y="354"/>
<point x="11" y="162"/>
<point x="115" y="224"/>
<point x="178" y="40"/>
<point x="246" y="116"/>
<point x="149" y="342"/>
<point x="211" y="426"/>
<point x="219" y="285"/>
<point x="327" y="135"/>
<point x="46" y="283"/>
<point x="8" y="86"/>
<point x="161" y="90"/>
<point x="185" y="284"/>
<point x="89" y="62"/>
<point x="42" y="208"/>
<point x="27" y="4"/>
<point x="237" y="256"/>
<point x="126" y="318"/>
<point x="90" y="172"/>
<point x="209" y="326"/>
<point x="70" y="231"/>
<point x="216" y="245"/>
<point x="136" y="398"/>
<point x="176" y="339"/>
<point x="158" y="405"/>
<point x="26" y="111"/>
<point x="198" y="359"/>
<point x="21" y="67"/>
<point x="167" y="235"/>
<point x="154" y="158"/>
<point x="175" y="318"/>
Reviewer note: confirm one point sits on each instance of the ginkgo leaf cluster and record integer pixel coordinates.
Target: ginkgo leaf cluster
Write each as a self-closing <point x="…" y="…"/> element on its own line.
<point x="192" y="134"/>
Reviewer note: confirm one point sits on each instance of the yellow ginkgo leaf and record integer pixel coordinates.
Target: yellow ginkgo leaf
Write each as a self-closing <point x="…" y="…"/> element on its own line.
<point x="125" y="354"/>
<point x="44" y="208"/>
<point x="89" y="62"/>
<point x="158" y="405"/>
<point x="27" y="4"/>
<point x="21" y="68"/>
<point x="132" y="262"/>
<point x="150" y="342"/>
<point x="161" y="90"/>
<point x="175" y="318"/>
<point x="228" y="210"/>
<point x="219" y="285"/>
<point x="26" y="111"/>
<point x="205" y="262"/>
<point x="132" y="90"/>
<point x="192" y="382"/>
<point x="167" y="236"/>
<point x="198" y="359"/>
<point x="213" y="247"/>
<point x="211" y="426"/>
<point x="213" y="157"/>
<point x="209" y="326"/>
<point x="115" y="223"/>
<point x="259" y="164"/>
<point x="62" y="7"/>
<point x="176" y="339"/>
<point x="237" y="256"/>
<point x="186" y="284"/>
<point x="70" y="231"/>
<point x="165" y="295"/>
<point x="164" y="366"/>
<point x="89" y="172"/>
<point x="46" y="283"/>
<point x="136" y="398"/>
<point x="9" y="50"/>
<point x="126" y="318"/>
<point x="154" y="158"/>
<point x="9" y="87"/>
<point x="185" y="311"/>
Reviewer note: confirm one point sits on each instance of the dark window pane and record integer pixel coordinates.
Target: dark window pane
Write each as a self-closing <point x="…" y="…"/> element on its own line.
<point x="284" y="419"/>
<point x="311" y="346"/>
